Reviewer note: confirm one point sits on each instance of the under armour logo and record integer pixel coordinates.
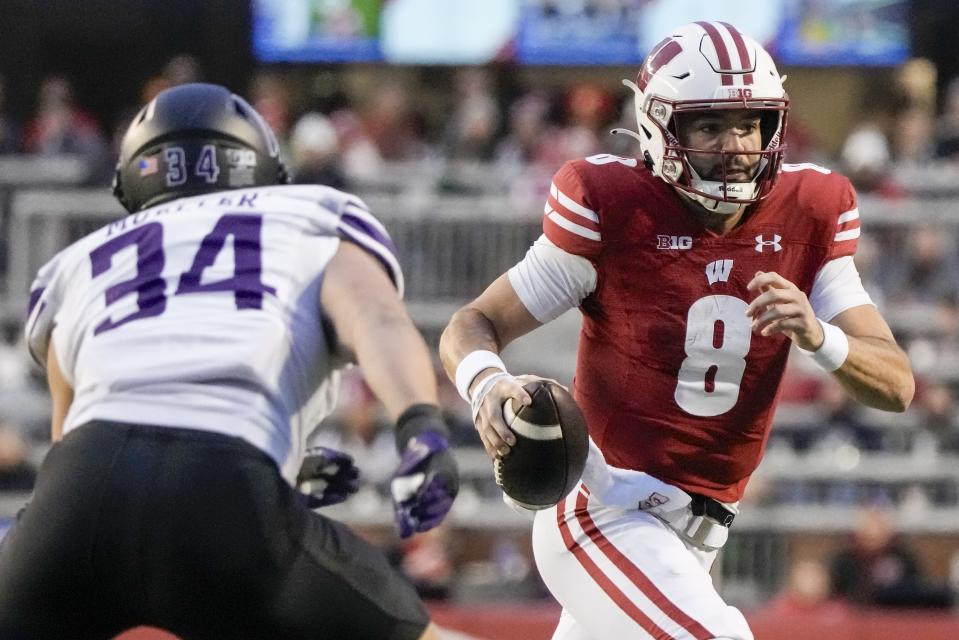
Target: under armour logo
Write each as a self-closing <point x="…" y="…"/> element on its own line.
<point x="718" y="271"/>
<point x="761" y="243"/>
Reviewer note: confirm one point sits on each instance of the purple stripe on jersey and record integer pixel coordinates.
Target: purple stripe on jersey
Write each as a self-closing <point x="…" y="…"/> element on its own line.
<point x="35" y="296"/>
<point x="359" y="205"/>
<point x="368" y="229"/>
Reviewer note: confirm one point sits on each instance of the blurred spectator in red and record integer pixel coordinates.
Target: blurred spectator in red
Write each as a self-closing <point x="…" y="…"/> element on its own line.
<point x="808" y="592"/>
<point x="16" y="471"/>
<point x="588" y="109"/>
<point x="9" y="137"/>
<point x="475" y="121"/>
<point x="271" y="98"/>
<point x="314" y="151"/>
<point x="60" y="126"/>
<point x="878" y="568"/>
<point x="527" y="127"/>
<point x="426" y="559"/>
<point x="181" y="69"/>
<point x="589" y="106"/>
<point x="393" y="125"/>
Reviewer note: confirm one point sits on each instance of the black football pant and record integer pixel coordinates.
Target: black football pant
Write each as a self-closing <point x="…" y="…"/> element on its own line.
<point x="192" y="532"/>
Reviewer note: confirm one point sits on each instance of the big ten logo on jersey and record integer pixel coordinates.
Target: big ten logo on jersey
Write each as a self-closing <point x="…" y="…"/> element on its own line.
<point x="674" y="242"/>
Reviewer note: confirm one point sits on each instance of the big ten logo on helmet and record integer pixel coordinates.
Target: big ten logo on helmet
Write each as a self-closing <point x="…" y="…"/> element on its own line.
<point x="738" y="92"/>
<point x="242" y="166"/>
<point x="674" y="242"/>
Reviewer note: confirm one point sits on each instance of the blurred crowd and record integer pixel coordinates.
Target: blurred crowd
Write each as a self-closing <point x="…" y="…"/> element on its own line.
<point x="351" y="138"/>
<point x="873" y="567"/>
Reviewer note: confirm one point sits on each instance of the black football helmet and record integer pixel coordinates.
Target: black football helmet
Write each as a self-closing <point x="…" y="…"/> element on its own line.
<point x="193" y="139"/>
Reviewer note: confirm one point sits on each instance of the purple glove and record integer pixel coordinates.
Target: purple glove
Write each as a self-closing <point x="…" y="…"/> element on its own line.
<point x="427" y="481"/>
<point x="331" y="477"/>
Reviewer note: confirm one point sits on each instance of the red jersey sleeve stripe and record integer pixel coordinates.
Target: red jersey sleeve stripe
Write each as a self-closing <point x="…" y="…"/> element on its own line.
<point x="552" y="206"/>
<point x="848" y="226"/>
<point x="570" y="205"/>
<point x="850" y="234"/>
<point x="848" y="217"/>
<point x="572" y="227"/>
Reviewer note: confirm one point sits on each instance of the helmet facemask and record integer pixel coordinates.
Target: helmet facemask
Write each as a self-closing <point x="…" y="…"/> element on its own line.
<point x="725" y="195"/>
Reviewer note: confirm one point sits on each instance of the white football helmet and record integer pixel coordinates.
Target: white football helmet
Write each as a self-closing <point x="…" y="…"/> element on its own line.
<point x="704" y="66"/>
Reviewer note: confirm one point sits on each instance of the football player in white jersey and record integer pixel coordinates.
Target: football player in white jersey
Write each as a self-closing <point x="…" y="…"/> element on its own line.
<point x="190" y="349"/>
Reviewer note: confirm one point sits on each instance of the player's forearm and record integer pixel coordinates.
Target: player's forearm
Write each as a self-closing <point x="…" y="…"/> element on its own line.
<point x="395" y="360"/>
<point x="468" y="330"/>
<point x="877" y="374"/>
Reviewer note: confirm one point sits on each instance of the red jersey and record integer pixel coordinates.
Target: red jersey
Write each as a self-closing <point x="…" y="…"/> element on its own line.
<point x="669" y="374"/>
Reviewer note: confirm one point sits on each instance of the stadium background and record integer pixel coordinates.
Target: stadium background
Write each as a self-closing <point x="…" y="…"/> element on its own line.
<point x="455" y="154"/>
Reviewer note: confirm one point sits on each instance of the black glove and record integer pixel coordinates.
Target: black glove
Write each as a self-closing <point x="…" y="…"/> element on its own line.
<point x="331" y="475"/>
<point x="427" y="480"/>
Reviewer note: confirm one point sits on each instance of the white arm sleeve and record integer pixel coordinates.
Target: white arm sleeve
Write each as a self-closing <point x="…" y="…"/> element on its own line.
<point x="837" y="287"/>
<point x="550" y="281"/>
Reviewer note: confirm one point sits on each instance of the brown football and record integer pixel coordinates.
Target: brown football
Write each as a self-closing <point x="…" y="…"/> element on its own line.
<point x="551" y="446"/>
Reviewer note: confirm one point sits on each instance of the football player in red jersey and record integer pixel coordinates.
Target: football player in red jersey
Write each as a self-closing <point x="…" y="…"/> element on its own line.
<point x="696" y="267"/>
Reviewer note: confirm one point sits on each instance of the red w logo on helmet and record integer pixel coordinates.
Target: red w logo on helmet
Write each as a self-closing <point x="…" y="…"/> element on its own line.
<point x="662" y="54"/>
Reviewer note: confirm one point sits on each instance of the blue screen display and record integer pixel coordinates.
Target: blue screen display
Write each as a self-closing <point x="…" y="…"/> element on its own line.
<point x="544" y="32"/>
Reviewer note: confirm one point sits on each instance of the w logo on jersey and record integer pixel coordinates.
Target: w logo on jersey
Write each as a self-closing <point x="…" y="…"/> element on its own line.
<point x="719" y="271"/>
<point x="762" y="243"/>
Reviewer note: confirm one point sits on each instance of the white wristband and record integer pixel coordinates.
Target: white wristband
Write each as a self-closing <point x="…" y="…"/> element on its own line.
<point x="470" y="367"/>
<point x="483" y="387"/>
<point x="834" y="348"/>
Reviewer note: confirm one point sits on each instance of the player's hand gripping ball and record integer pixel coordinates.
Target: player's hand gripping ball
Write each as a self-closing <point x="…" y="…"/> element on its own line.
<point x="551" y="446"/>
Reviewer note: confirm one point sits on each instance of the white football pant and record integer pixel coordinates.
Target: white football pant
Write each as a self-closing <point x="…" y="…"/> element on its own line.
<point x="623" y="573"/>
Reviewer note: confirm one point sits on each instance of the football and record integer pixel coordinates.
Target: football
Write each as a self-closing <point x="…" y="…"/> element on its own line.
<point x="551" y="446"/>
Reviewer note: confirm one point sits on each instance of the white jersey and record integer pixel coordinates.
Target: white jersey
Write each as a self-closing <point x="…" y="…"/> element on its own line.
<point x="204" y="313"/>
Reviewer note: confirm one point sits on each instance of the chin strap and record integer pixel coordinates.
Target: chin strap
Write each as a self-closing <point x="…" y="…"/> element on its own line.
<point x="711" y="204"/>
<point x="716" y="204"/>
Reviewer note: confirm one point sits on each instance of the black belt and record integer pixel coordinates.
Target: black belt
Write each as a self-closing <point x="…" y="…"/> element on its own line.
<point x="703" y="506"/>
